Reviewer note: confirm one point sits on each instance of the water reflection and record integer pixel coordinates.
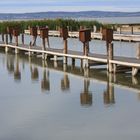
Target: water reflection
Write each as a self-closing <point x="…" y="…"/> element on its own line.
<point x="45" y="83"/>
<point x="17" y="73"/>
<point x="34" y="73"/>
<point x="108" y="95"/>
<point x="10" y="65"/>
<point x="86" y="95"/>
<point x="65" y="83"/>
<point x="13" y="63"/>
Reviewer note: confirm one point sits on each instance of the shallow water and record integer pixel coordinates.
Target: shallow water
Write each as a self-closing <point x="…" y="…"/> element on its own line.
<point x="41" y="101"/>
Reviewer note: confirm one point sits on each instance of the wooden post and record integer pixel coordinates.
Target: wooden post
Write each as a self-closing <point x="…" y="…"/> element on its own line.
<point x="16" y="39"/>
<point x="132" y="31"/>
<point x="34" y="40"/>
<point x="85" y="48"/>
<point x="65" y="46"/>
<point x="6" y="39"/>
<point x="44" y="44"/>
<point x="110" y="56"/>
<point x="10" y="37"/>
<point x="2" y="37"/>
<point x="65" y="51"/>
<point x="22" y="38"/>
<point x="47" y="39"/>
<point x="120" y="31"/>
<point x="138" y="51"/>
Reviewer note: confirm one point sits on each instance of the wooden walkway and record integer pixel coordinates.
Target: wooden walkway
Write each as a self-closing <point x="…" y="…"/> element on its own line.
<point x="92" y="59"/>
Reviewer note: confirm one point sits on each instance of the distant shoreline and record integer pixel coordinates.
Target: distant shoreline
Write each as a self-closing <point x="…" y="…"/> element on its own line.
<point x="101" y="16"/>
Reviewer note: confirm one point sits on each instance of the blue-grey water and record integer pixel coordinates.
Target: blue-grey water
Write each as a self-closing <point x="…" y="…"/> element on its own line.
<point x="41" y="101"/>
<point x="115" y="20"/>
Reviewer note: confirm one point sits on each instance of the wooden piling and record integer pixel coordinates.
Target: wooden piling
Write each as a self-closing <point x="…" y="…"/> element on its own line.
<point x="16" y="40"/>
<point x="132" y="30"/>
<point x="65" y="51"/>
<point x="6" y="38"/>
<point x="138" y="51"/>
<point x="110" y="57"/>
<point x="22" y="38"/>
<point x="2" y="37"/>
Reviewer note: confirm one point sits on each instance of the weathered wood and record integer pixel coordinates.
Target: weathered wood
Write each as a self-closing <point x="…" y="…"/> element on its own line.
<point x="16" y="40"/>
<point x="110" y="57"/>
<point x="6" y="38"/>
<point x="22" y="38"/>
<point x="2" y="37"/>
<point x="138" y="51"/>
<point x="65" y="51"/>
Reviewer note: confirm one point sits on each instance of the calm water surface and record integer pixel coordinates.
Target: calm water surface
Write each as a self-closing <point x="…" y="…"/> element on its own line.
<point x="39" y="100"/>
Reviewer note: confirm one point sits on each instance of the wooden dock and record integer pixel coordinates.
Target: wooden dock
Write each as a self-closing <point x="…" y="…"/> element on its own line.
<point x="92" y="59"/>
<point x="88" y="59"/>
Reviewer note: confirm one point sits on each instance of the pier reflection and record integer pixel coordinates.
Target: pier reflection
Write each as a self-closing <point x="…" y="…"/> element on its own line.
<point x="14" y="64"/>
<point x="65" y="83"/>
<point x="10" y="64"/>
<point x="45" y="83"/>
<point x="109" y="97"/>
<point x="17" y="73"/>
<point x="86" y="95"/>
<point x="34" y="73"/>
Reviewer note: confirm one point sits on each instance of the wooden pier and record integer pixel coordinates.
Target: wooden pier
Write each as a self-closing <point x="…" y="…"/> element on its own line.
<point x="88" y="59"/>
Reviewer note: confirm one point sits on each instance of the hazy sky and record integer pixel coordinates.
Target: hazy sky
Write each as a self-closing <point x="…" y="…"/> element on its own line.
<point x="16" y="6"/>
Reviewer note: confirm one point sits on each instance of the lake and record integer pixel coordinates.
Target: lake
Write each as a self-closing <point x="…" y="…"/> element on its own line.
<point x="115" y="20"/>
<point x="40" y="100"/>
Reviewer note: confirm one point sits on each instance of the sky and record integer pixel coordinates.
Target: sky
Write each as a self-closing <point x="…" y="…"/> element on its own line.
<point x="25" y="6"/>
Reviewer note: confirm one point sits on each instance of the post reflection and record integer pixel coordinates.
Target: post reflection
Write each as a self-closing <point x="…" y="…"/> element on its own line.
<point x="86" y="96"/>
<point x="65" y="83"/>
<point x="14" y="63"/>
<point x="45" y="83"/>
<point x="108" y="95"/>
<point x="17" y="73"/>
<point x="10" y="64"/>
<point x="34" y="73"/>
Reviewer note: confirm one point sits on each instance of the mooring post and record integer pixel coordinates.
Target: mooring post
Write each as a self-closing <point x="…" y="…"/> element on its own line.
<point x="33" y="32"/>
<point x="16" y="33"/>
<point x="2" y="37"/>
<point x="10" y="32"/>
<point x="107" y="35"/>
<point x="22" y="38"/>
<point x="85" y="37"/>
<point x="110" y="57"/>
<point x="6" y="38"/>
<point x="45" y="37"/>
<point x="132" y="30"/>
<point x="64" y="35"/>
<point x="138" y="51"/>
<point x="6" y="41"/>
<point x="65" y="51"/>
<point x="120" y="30"/>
